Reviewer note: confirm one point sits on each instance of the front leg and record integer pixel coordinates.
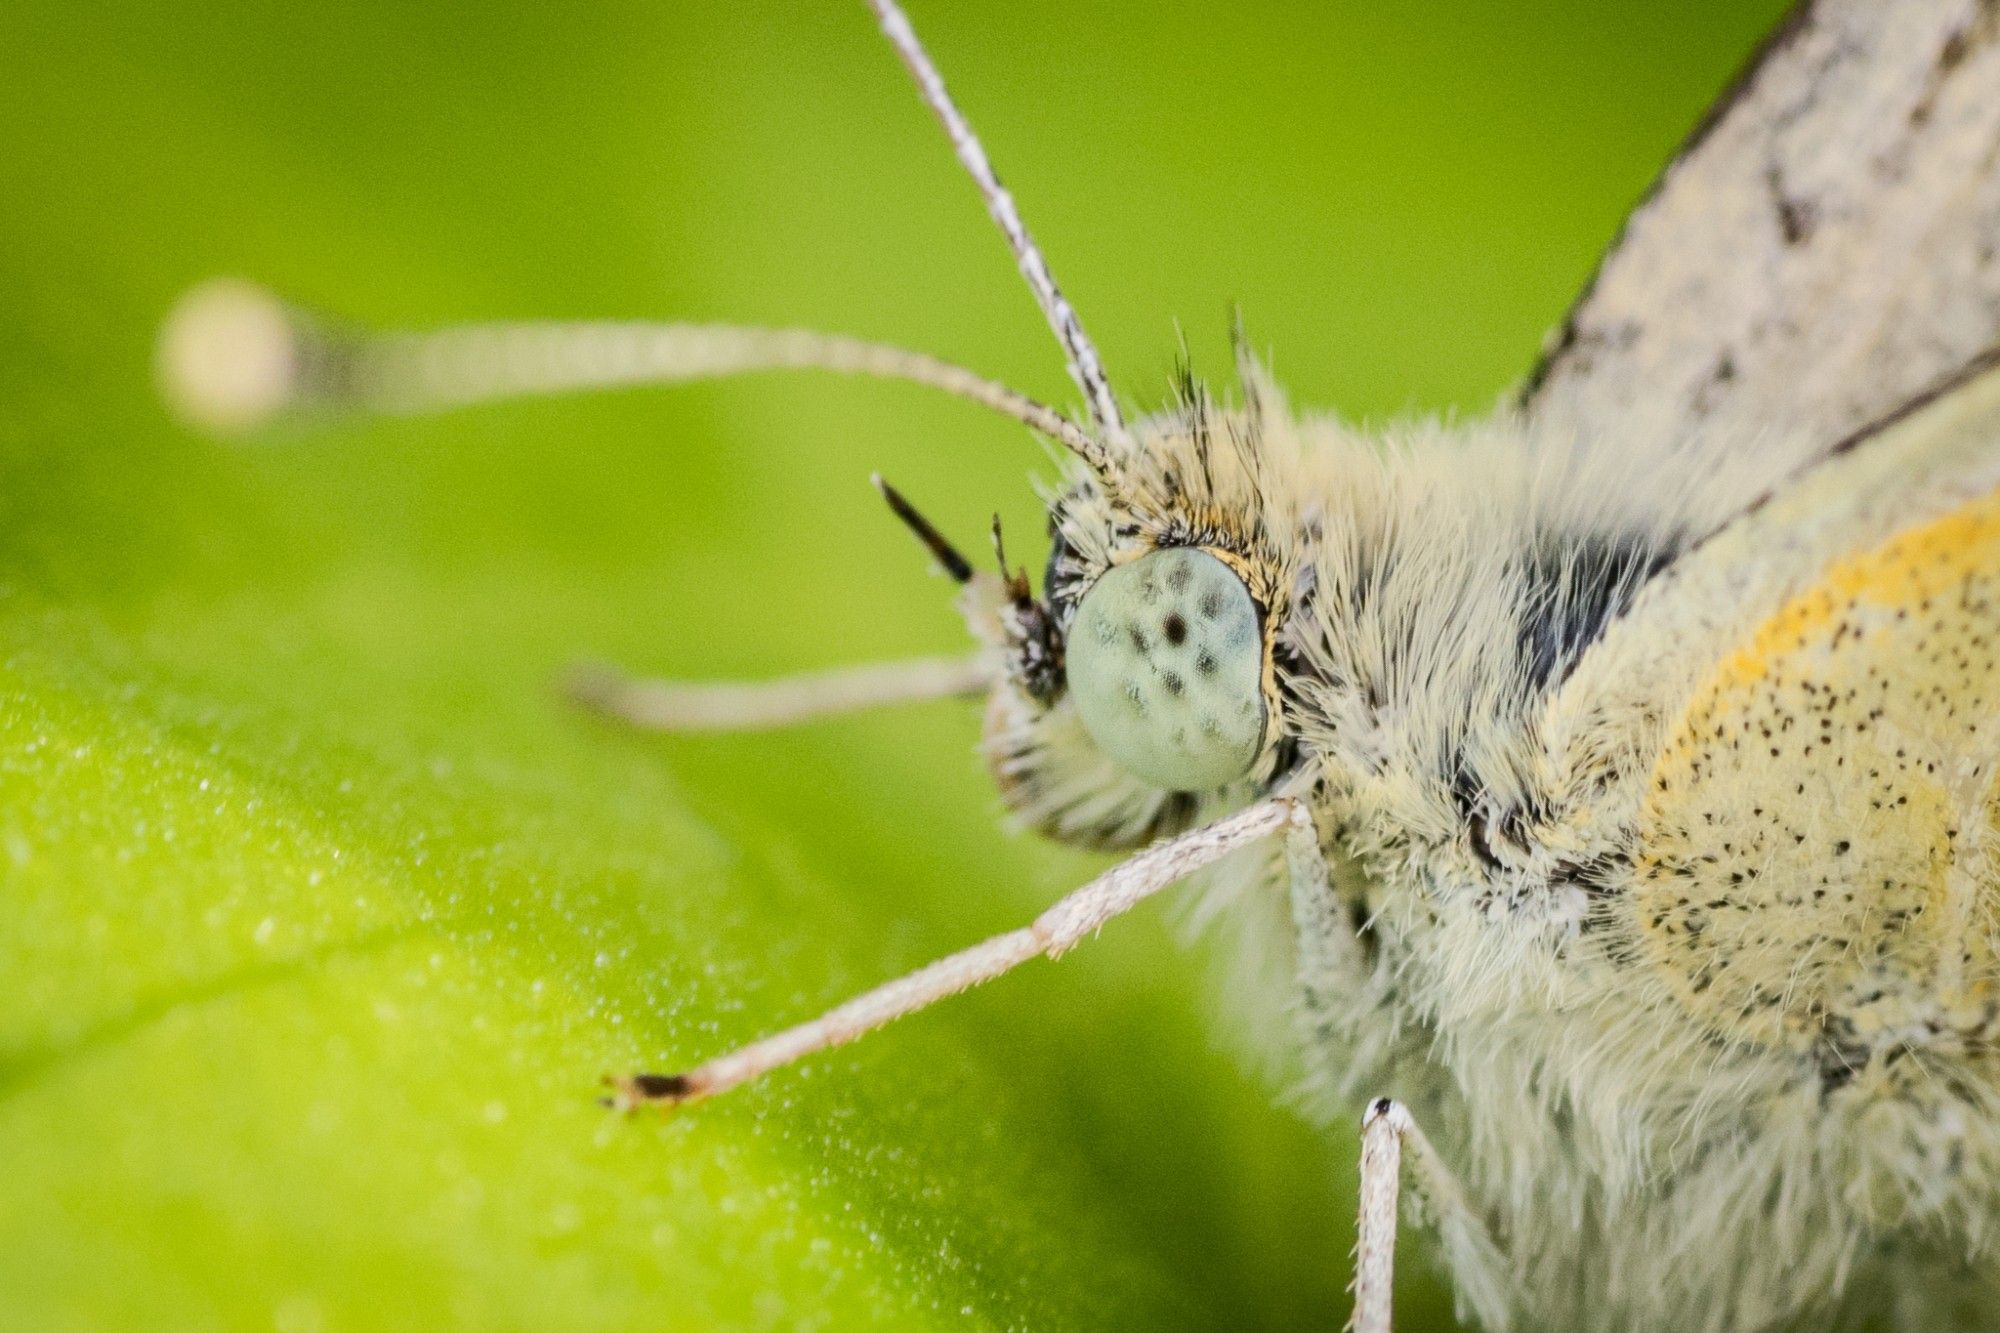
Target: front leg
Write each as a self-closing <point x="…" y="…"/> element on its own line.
<point x="1389" y="1135"/>
<point x="1055" y="932"/>
<point x="1331" y="962"/>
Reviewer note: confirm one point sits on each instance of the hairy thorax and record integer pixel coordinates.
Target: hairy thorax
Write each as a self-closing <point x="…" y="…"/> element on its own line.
<point x="1721" y="996"/>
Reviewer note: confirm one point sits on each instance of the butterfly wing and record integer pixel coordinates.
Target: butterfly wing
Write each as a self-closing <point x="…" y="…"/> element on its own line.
<point x="1792" y="742"/>
<point x="1826" y="246"/>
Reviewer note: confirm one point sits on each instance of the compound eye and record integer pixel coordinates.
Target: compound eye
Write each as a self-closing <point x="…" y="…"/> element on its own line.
<point x="1166" y="664"/>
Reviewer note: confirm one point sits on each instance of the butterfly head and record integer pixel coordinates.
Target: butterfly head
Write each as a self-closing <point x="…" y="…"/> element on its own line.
<point x="1138" y="686"/>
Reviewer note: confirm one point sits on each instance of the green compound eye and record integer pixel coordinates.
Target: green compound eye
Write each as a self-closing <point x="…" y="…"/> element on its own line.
<point x="1166" y="664"/>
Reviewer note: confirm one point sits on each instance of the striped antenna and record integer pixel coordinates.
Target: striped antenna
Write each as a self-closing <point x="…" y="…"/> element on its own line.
<point x="1078" y="350"/>
<point x="233" y="358"/>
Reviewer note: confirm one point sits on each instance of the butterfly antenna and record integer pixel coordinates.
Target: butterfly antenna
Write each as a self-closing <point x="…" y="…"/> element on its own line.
<point x="956" y="566"/>
<point x="1078" y="350"/>
<point x="233" y="358"/>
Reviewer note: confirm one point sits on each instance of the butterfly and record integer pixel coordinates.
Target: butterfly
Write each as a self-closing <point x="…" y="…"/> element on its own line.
<point x="1613" y="782"/>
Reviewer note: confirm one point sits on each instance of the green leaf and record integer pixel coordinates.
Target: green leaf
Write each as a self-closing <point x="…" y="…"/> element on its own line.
<point x="323" y="916"/>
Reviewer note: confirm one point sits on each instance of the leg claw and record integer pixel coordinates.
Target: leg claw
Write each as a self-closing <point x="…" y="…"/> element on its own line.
<point x="631" y="1091"/>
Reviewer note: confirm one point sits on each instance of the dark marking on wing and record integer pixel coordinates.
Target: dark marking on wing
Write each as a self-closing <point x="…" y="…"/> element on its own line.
<point x="1951" y="58"/>
<point x="1566" y="338"/>
<point x="1985" y="362"/>
<point x="1833" y="225"/>
<point x="1795" y="215"/>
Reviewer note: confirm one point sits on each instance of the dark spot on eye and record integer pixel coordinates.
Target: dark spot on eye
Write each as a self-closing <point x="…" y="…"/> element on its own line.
<point x="1841" y="848"/>
<point x="1205" y="664"/>
<point x="1211" y="604"/>
<point x="1174" y="684"/>
<point x="1176" y="629"/>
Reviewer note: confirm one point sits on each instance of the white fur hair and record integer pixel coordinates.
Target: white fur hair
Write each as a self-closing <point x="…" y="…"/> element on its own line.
<point x="1476" y="787"/>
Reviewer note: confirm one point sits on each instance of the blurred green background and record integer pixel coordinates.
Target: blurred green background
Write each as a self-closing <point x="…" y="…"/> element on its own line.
<point x="321" y="917"/>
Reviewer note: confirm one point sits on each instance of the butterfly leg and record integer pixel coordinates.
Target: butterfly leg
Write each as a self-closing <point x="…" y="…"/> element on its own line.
<point x="1391" y="1141"/>
<point x="1383" y="1128"/>
<point x="1332" y="969"/>
<point x="1055" y="932"/>
<point x="670" y="705"/>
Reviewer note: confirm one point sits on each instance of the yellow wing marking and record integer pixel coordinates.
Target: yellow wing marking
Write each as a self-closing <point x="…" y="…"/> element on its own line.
<point x="1818" y="842"/>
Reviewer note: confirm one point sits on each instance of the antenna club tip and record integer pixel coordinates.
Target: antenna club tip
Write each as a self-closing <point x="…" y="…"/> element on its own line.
<point x="229" y="357"/>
